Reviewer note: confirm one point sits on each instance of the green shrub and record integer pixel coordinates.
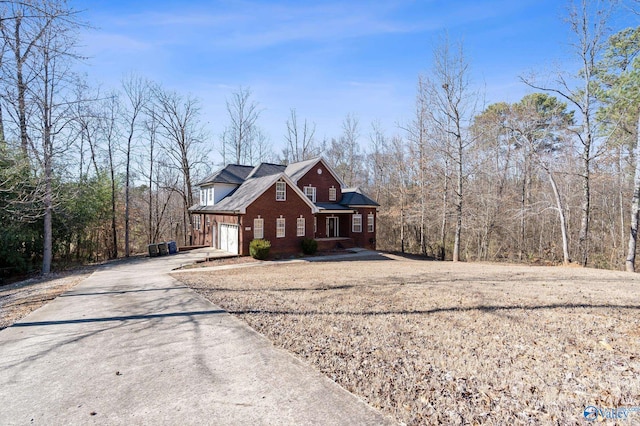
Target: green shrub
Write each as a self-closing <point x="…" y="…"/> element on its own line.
<point x="309" y="246"/>
<point x="259" y="249"/>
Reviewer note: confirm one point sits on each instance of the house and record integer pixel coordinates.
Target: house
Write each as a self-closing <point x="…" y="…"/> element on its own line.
<point x="282" y="204"/>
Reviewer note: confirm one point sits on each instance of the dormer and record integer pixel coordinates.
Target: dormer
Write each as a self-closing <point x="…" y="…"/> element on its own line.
<point x="220" y="184"/>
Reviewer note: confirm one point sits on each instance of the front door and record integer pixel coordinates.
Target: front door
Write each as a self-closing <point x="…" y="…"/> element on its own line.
<point x="332" y="227"/>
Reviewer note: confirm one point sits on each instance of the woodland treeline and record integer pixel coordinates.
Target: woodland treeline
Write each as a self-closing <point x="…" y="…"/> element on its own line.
<point x="90" y="174"/>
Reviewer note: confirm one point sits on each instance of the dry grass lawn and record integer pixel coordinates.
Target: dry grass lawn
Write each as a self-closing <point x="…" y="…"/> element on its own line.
<point x="434" y="342"/>
<point x="20" y="299"/>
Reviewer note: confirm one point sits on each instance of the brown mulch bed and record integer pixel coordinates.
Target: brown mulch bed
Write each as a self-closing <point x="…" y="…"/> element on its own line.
<point x="437" y="342"/>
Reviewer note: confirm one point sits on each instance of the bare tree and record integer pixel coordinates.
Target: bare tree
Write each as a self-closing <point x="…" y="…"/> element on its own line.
<point x="182" y="142"/>
<point x="377" y="159"/>
<point x="452" y="102"/>
<point x="239" y="135"/>
<point x="588" y="26"/>
<point x="493" y="151"/>
<point x="25" y="27"/>
<point x="538" y="123"/>
<point x="43" y="43"/>
<point x="417" y="133"/>
<point x="109" y="118"/>
<point x="136" y="95"/>
<point x="300" y="141"/>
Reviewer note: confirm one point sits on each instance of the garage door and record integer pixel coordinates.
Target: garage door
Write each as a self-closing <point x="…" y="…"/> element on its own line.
<point x="229" y="238"/>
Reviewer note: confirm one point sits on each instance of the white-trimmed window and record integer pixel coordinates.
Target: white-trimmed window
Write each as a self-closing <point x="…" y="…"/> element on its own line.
<point x="203" y="197"/>
<point x="280" y="227"/>
<point x="356" y="223"/>
<point x="281" y="190"/>
<point x="315" y="225"/>
<point x="210" y="197"/>
<point x="300" y="227"/>
<point x="370" y="223"/>
<point x="196" y="222"/>
<point x="258" y="228"/>
<point x="332" y="194"/>
<point x="310" y="192"/>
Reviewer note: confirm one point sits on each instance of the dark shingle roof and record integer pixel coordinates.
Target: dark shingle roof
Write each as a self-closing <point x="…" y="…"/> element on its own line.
<point x="232" y="173"/>
<point x="355" y="197"/>
<point x="332" y="206"/>
<point x="246" y="194"/>
<point x="266" y="169"/>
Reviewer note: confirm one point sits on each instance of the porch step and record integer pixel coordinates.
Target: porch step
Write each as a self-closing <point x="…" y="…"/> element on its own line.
<point x="347" y="243"/>
<point x="329" y="244"/>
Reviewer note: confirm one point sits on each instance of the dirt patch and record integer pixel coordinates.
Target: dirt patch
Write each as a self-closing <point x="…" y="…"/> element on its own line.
<point x="20" y="299"/>
<point x="435" y="342"/>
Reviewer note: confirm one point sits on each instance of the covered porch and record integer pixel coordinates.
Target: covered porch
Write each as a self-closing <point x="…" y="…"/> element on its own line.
<point x="333" y="221"/>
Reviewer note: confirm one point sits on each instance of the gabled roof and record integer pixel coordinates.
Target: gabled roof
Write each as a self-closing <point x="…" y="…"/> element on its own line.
<point x="232" y="173"/>
<point x="355" y="197"/>
<point x="248" y="192"/>
<point x="266" y="169"/>
<point x="297" y="170"/>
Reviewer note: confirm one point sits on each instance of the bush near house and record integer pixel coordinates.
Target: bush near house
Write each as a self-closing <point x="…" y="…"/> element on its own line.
<point x="259" y="249"/>
<point x="309" y="246"/>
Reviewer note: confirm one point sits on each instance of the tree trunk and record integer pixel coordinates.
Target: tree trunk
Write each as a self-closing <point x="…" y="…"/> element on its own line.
<point x="423" y="203"/>
<point x="114" y="227"/>
<point x="445" y="206"/>
<point x="456" y="241"/>
<point x="47" y="252"/>
<point x="583" y="239"/>
<point x="563" y="224"/>
<point x="126" y="201"/>
<point x="22" y="109"/>
<point x="630" y="263"/>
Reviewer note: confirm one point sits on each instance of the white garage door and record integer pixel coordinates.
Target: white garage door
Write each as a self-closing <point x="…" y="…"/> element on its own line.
<point x="229" y="238"/>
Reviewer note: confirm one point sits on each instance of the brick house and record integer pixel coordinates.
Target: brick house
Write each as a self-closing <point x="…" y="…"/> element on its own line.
<point x="282" y="204"/>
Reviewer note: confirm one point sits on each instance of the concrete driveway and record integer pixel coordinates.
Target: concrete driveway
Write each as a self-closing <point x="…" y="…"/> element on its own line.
<point x="130" y="345"/>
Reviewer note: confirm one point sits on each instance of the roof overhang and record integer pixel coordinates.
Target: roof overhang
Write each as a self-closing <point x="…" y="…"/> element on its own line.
<point x="208" y="210"/>
<point x="341" y="211"/>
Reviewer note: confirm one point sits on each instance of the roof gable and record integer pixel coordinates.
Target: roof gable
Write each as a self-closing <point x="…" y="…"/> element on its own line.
<point x="252" y="189"/>
<point x="297" y="170"/>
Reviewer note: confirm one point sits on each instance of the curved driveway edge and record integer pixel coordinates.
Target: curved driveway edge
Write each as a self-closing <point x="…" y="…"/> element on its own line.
<point x="131" y="345"/>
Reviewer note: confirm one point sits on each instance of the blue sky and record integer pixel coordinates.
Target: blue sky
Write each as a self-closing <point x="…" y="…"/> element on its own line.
<point x="326" y="59"/>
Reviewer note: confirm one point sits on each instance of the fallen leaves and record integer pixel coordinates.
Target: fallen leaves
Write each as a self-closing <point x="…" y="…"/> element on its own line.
<point x="434" y="342"/>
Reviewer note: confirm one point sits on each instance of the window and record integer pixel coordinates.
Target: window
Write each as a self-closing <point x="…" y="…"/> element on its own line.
<point x="280" y="227"/>
<point x="196" y="222"/>
<point x="210" y="197"/>
<point x="356" y="224"/>
<point x="370" y="226"/>
<point x="203" y="197"/>
<point x="332" y="194"/>
<point x="281" y="191"/>
<point x="315" y="225"/>
<point x="258" y="228"/>
<point x="300" y="227"/>
<point x="310" y="192"/>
